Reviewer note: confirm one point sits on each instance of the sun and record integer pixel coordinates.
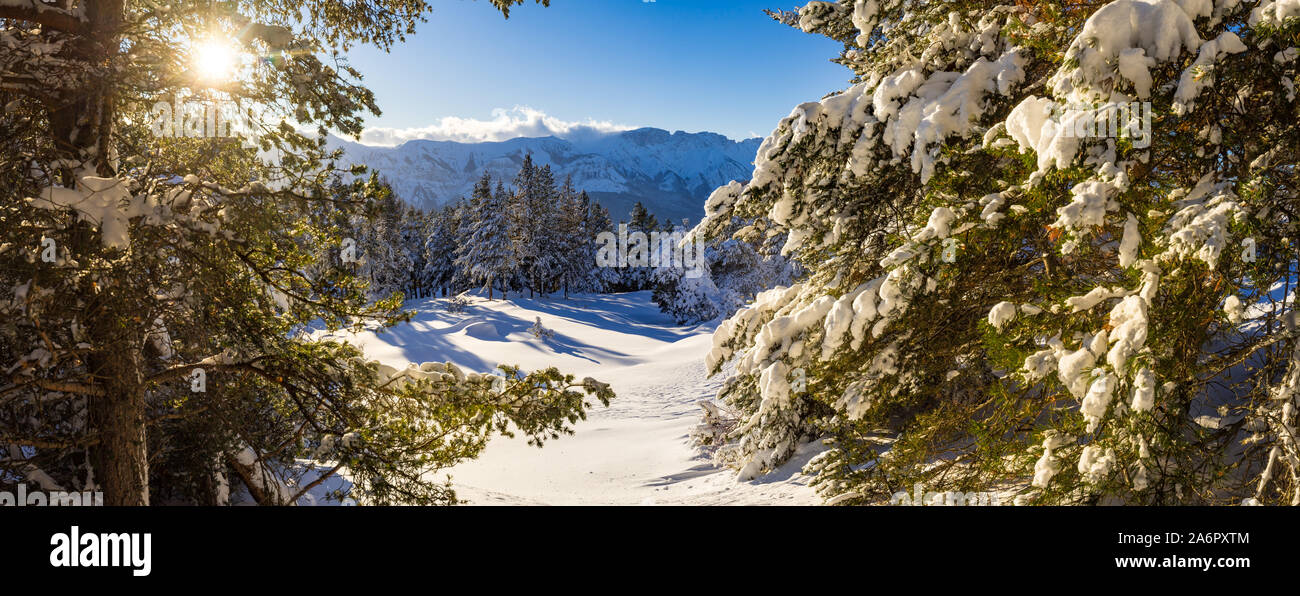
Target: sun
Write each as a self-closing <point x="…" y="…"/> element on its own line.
<point x="215" y="61"/>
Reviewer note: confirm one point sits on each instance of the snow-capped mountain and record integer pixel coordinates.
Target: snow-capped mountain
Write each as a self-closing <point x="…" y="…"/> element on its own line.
<point x="671" y="173"/>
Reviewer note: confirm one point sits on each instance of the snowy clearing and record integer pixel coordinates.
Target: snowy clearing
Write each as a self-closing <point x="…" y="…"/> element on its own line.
<point x="637" y="451"/>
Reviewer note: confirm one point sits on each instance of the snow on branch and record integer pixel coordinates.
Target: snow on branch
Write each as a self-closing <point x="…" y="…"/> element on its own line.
<point x="59" y="15"/>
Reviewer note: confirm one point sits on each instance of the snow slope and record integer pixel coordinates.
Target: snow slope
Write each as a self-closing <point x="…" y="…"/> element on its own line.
<point x="637" y="451"/>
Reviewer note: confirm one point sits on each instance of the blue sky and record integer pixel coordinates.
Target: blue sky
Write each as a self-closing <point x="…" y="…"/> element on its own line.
<point x="692" y="65"/>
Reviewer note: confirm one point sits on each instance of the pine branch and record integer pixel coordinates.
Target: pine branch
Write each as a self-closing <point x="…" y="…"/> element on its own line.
<point x="45" y="15"/>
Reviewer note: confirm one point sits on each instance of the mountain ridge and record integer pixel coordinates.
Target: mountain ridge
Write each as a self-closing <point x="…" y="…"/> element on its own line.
<point x="672" y="173"/>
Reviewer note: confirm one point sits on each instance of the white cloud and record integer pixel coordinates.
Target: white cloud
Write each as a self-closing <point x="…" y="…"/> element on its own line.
<point x="519" y="121"/>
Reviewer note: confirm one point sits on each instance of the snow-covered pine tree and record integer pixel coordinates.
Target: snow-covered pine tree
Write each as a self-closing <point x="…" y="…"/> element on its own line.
<point x="638" y="275"/>
<point x="741" y="270"/>
<point x="384" y="243"/>
<point x="158" y="288"/>
<point x="487" y="257"/>
<point x="524" y="211"/>
<point x="602" y="279"/>
<point x="548" y="242"/>
<point x="573" y="238"/>
<point x="736" y="271"/>
<point x="536" y="221"/>
<point x="1002" y="294"/>
<point x="641" y="218"/>
<point x="412" y="225"/>
<point x="514" y="279"/>
<point x="442" y="237"/>
<point x="688" y="295"/>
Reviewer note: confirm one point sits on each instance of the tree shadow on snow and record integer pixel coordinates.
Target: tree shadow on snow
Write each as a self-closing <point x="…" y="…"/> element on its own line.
<point x="631" y="314"/>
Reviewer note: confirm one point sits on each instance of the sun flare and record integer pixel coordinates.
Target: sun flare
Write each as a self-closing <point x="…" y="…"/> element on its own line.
<point x="214" y="61"/>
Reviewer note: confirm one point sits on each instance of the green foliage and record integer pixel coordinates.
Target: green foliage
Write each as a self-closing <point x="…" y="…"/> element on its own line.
<point x="924" y="388"/>
<point x="179" y="338"/>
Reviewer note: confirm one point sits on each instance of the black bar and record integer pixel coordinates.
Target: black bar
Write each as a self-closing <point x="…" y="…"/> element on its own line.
<point x="782" y="544"/>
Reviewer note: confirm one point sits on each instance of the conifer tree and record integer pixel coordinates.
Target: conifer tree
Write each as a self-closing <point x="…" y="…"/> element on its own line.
<point x="638" y="275"/>
<point x="685" y="292"/>
<point x="153" y="333"/>
<point x="547" y="221"/>
<point x="413" y="224"/>
<point x="524" y="206"/>
<point x="442" y="237"/>
<point x="487" y="256"/>
<point x="1012" y="281"/>
<point x="734" y="271"/>
<point x="573" y="239"/>
<point x="607" y="278"/>
<point x="642" y="219"/>
<point x="384" y="241"/>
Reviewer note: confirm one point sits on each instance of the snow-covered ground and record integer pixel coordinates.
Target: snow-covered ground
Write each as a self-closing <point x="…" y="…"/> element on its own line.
<point x="636" y="451"/>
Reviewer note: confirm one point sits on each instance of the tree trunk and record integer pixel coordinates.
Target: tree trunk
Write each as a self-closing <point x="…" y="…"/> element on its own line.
<point x="120" y="457"/>
<point x="83" y="122"/>
<point x="82" y="127"/>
